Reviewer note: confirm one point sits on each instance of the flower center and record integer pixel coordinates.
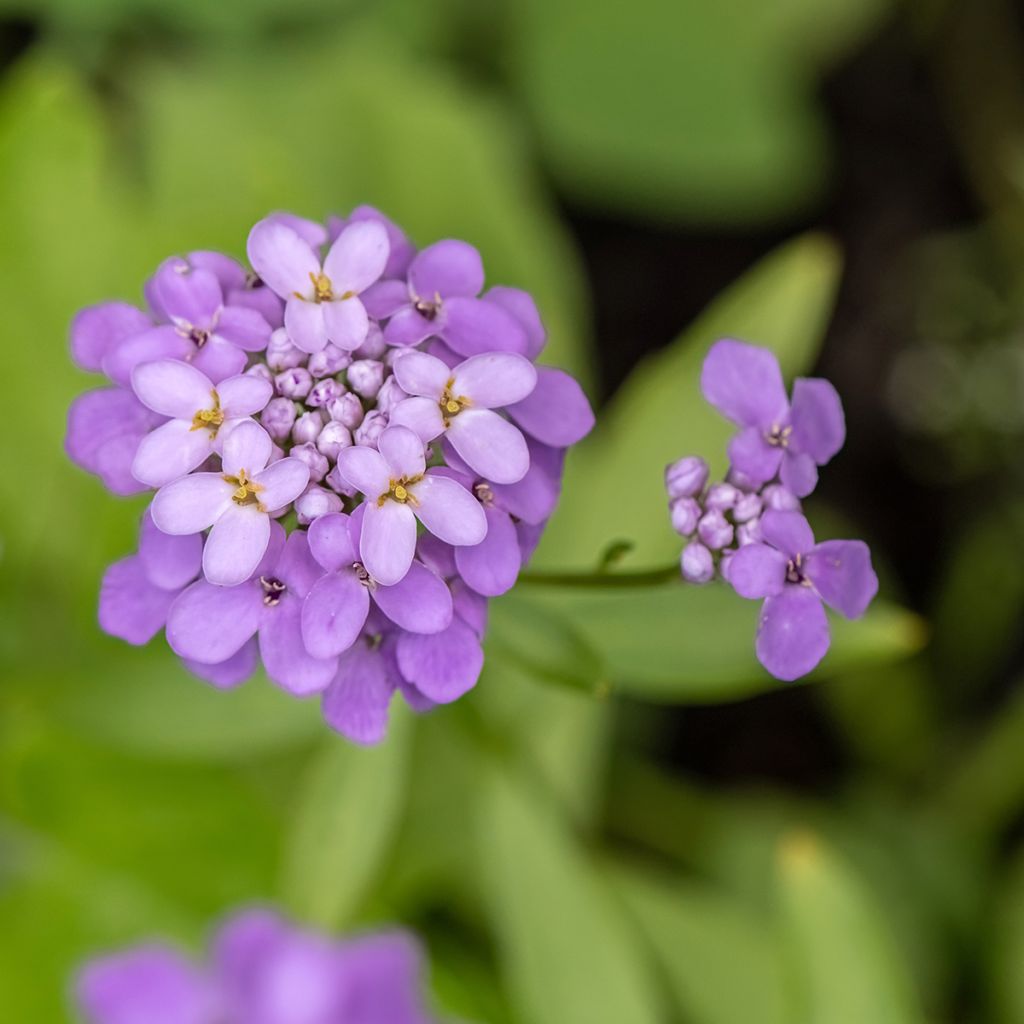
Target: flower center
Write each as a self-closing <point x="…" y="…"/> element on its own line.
<point x="209" y="419"/>
<point x="199" y="336"/>
<point x="252" y="281"/>
<point x="273" y="590"/>
<point x="246" y="490"/>
<point x="795" y="572"/>
<point x="483" y="493"/>
<point x="363" y="576"/>
<point x="778" y="436"/>
<point x="451" y="404"/>
<point x="428" y="308"/>
<point x="399" y="491"/>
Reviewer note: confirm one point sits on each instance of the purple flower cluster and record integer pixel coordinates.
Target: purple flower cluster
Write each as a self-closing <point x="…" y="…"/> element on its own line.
<point x="261" y="970"/>
<point x="352" y="450"/>
<point x="749" y="529"/>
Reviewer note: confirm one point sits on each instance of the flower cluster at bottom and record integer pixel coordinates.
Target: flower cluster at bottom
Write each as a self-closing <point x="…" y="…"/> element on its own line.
<point x="261" y="970"/>
<point x="749" y="529"/>
<point x="352" y="450"/>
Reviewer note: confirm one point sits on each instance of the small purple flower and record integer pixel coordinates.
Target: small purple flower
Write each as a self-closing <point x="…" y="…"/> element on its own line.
<point x="714" y="530"/>
<point x="237" y="503"/>
<point x="796" y="576"/>
<point x="365" y="377"/>
<point x="346" y="409"/>
<point x="295" y="383"/>
<point x="200" y="414"/>
<point x="744" y="383"/>
<point x="697" y="563"/>
<point x="460" y="404"/>
<point x="278" y="418"/>
<point x="373" y="424"/>
<point x="307" y="428"/>
<point x="324" y="392"/>
<point x="328" y="361"/>
<point x="399" y="490"/>
<point x="315" y="502"/>
<point x="685" y="514"/>
<point x="321" y="302"/>
<point x="686" y="477"/>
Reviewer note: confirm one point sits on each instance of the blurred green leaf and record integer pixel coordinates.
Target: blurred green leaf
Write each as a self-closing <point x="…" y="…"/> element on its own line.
<point x="614" y="483"/>
<point x="1004" y="948"/>
<point x="675" y="642"/>
<point x="703" y="941"/>
<point x="345" y="825"/>
<point x="847" y="966"/>
<point x="567" y="955"/>
<point x="695" y="111"/>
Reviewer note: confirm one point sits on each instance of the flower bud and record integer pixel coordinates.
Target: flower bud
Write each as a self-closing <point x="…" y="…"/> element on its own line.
<point x="374" y="346"/>
<point x="307" y="454"/>
<point x="684" y="512"/>
<point x="715" y="530"/>
<point x="333" y="437"/>
<point x="748" y="506"/>
<point x="277" y="418"/>
<point x="724" y="562"/>
<point x="390" y="395"/>
<point x="338" y="483"/>
<point x="686" y="477"/>
<point x="307" y="428"/>
<point x="780" y="498"/>
<point x="262" y="371"/>
<point x="325" y="392"/>
<point x="721" y="497"/>
<point x="365" y="377"/>
<point x="315" y="502"/>
<point x="294" y="383"/>
<point x="281" y="353"/>
<point x="696" y="563"/>
<point x="328" y="361"/>
<point x="346" y="409"/>
<point x="749" y="533"/>
<point x="370" y="429"/>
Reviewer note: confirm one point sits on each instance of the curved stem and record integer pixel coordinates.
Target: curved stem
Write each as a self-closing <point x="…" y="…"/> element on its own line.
<point x="639" y="578"/>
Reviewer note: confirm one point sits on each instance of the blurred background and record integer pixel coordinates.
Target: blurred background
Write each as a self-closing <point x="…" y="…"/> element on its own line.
<point x="627" y="821"/>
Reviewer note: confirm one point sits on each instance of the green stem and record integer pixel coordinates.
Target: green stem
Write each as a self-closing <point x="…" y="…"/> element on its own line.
<point x="639" y="578"/>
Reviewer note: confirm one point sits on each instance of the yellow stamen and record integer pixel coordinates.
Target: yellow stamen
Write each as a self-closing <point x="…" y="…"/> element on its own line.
<point x="321" y="287"/>
<point x="209" y="419"/>
<point x="246" y="490"/>
<point x="452" y="405"/>
<point x="398" y="490"/>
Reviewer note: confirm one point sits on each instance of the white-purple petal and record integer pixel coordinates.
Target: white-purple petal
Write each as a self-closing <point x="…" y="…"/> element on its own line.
<point x="284" y="655"/>
<point x="522" y="306"/>
<point x="171" y="562"/>
<point x="281" y="483"/>
<point x="244" y="327"/>
<point x="492" y="566"/>
<point x="333" y="614"/>
<point x="236" y="545"/>
<point x="473" y="327"/>
<point x="156" y="343"/>
<point x="346" y="322"/>
<point x="247" y="447"/>
<point x="442" y="666"/>
<point x="420" y="415"/>
<point x="282" y="258"/>
<point x="169" y="452"/>
<point x="421" y="374"/>
<point x="96" y="329"/>
<point x="192" y="503"/>
<point x="494" y="379"/>
<point x="188" y="294"/>
<point x="330" y="542"/>
<point x="446" y="268"/>
<point x="226" y="675"/>
<point x="304" y="322"/>
<point x="447" y="510"/>
<point x="356" y="703"/>
<point x="210" y="624"/>
<point x="365" y="469"/>
<point x="402" y="451"/>
<point x="244" y="395"/>
<point x="131" y="607"/>
<point x="490" y="445"/>
<point x="357" y="258"/>
<point x="420" y="602"/>
<point x="388" y="541"/>
<point x="556" y="412"/>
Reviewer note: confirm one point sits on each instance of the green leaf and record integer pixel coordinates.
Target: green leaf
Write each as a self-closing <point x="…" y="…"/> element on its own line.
<point x="846" y="963"/>
<point x="702" y="939"/>
<point x="345" y="824"/>
<point x="676" y="642"/>
<point x="614" y="483"/>
<point x="567" y="956"/>
<point x="1005" y="947"/>
<point x="703" y="112"/>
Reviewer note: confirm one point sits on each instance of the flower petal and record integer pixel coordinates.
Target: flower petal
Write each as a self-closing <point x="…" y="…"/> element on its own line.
<point x="819" y="427"/>
<point x="447" y="268"/>
<point x="226" y="675"/>
<point x="522" y="306"/>
<point x="385" y="298"/>
<point x="358" y="257"/>
<point x="492" y="566"/>
<point x="170" y="562"/>
<point x="217" y="358"/>
<point x="304" y="322"/>
<point x="210" y="624"/>
<point x="494" y="379"/>
<point x="408" y="327"/>
<point x="244" y="395"/>
<point x="229" y="272"/>
<point x="192" y="503"/>
<point x="131" y="607"/>
<point x="333" y="614"/>
<point x="365" y="470"/>
<point x="448" y="510"/>
<point x="330" y="542"/>
<point x="442" y="666"/>
<point x="248" y="447"/>
<point x="346" y="322"/>
<point x="842" y="574"/>
<point x="244" y="327"/>
<point x="744" y="383"/>
<point x="96" y="329"/>
<point x="420" y="602"/>
<point x="798" y="473"/>
<point x="172" y="388"/>
<point x="402" y="451"/>
<point x="356" y="703"/>
<point x="757" y="570"/>
<point x="236" y="545"/>
<point x="388" y="541"/>
<point x="473" y="327"/>
<point x="156" y="343"/>
<point x="556" y="412"/>
<point x="185" y="293"/>
<point x="284" y="655"/>
<point x="282" y="258"/>
<point x="788" y="531"/>
<point x="421" y="415"/>
<point x="792" y="633"/>
<point x="490" y="445"/>
<point x="420" y="374"/>
<point x="282" y="482"/>
<point x="170" y="452"/>
<point x="533" y="498"/>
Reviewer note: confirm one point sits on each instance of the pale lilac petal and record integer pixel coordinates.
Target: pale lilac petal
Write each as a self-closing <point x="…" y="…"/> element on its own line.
<point x="210" y="624"/>
<point x="816" y="416"/>
<point x="442" y="666"/>
<point x="492" y="566"/>
<point x="358" y="257"/>
<point x="446" y="268"/>
<point x="401" y="249"/>
<point x="402" y="451"/>
<point x="356" y="703"/>
<point x="244" y="395"/>
<point x="365" y="470"/>
<point x="330" y="541"/>
<point x="169" y="452"/>
<point x="192" y="503"/>
<point x="439" y="350"/>
<point x="792" y="634"/>
<point x="96" y="329"/>
<point x="533" y="498"/>
<point x="388" y="541"/>
<point x="448" y="510"/>
<point x="151" y="345"/>
<point x="244" y="327"/>
<point x="408" y="327"/>
<point x="284" y="655"/>
<point x="385" y="298"/>
<point x="421" y="374"/>
<point x="842" y="574"/>
<point x="470" y="607"/>
<point x="248" y="447"/>
<point x="229" y="273"/>
<point x="218" y="358"/>
<point x="333" y="614"/>
<point x="494" y="379"/>
<point x="226" y="675"/>
<point x="744" y="383"/>
<point x="236" y="545"/>
<point x="131" y="607"/>
<point x="259" y="297"/>
<point x="472" y="327"/>
<point x="798" y="473"/>
<point x="758" y="570"/>
<point x="297" y="567"/>
<point x="304" y="322"/>
<point x="751" y="455"/>
<point x="420" y="602"/>
<point x="382" y="978"/>
<point x="312" y="232"/>
<point x="171" y="562"/>
<point x="436" y="555"/>
<point x="788" y="531"/>
<point x="186" y="293"/>
<point x="172" y="388"/>
<point x="346" y="322"/>
<point x="521" y="305"/>
<point x="490" y="445"/>
<point x="556" y="412"/>
<point x="281" y="482"/>
<point x="282" y="258"/>
<point x="420" y="415"/>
